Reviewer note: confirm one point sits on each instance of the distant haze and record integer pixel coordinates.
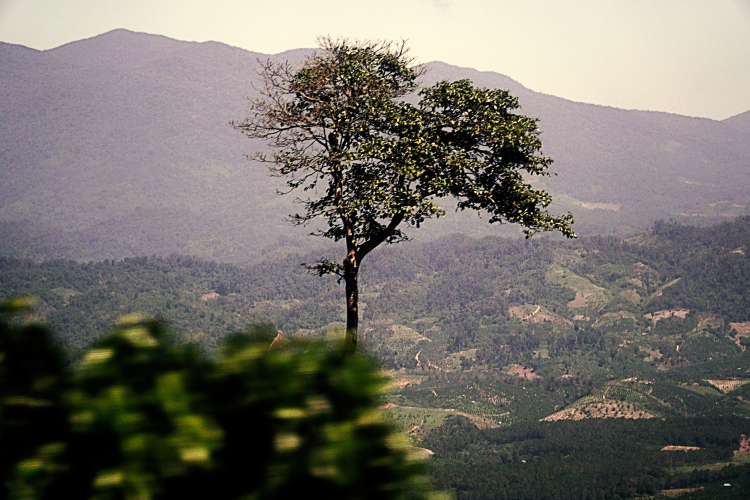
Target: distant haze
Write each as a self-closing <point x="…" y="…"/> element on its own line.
<point x="119" y="145"/>
<point x="689" y="57"/>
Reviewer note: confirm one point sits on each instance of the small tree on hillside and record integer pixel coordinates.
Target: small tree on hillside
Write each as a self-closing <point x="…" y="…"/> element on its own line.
<point x="372" y="163"/>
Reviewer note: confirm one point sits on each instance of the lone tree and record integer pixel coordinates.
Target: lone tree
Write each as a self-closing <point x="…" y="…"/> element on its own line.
<point x="371" y="163"/>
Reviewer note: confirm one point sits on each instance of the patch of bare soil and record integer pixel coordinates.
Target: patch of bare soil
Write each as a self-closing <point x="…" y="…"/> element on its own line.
<point x="278" y="342"/>
<point x="668" y="313"/>
<point x="614" y="316"/>
<point x="403" y="382"/>
<point x="402" y="332"/>
<point x="680" y="448"/>
<point x="705" y="320"/>
<point x="428" y="362"/>
<point x="742" y="330"/>
<point x="537" y="316"/>
<point x="599" y="206"/>
<point x="654" y="354"/>
<point x="424" y="451"/>
<point x="519" y="313"/>
<point x="727" y="385"/>
<point x="521" y="372"/>
<point x="582" y="299"/>
<point x="607" y="409"/>
<point x="551" y="318"/>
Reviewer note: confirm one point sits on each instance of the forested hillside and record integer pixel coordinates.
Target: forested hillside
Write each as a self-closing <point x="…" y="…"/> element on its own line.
<point x="611" y="458"/>
<point x="485" y="335"/>
<point x="674" y="300"/>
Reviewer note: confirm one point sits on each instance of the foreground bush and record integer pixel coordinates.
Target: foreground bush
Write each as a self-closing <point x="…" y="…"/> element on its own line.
<point x="141" y="418"/>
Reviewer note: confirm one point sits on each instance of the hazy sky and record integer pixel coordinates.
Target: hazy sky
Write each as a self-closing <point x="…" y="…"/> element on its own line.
<point x="681" y="56"/>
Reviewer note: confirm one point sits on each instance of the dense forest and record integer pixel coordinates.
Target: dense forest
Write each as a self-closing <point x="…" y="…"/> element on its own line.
<point x="485" y="338"/>
<point x="605" y="458"/>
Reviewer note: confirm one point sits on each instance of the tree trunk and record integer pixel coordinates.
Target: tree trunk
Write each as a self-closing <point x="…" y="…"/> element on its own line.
<point x="352" y="298"/>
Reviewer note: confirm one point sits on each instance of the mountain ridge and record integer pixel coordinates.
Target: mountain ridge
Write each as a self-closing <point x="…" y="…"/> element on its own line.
<point x="98" y="132"/>
<point x="740" y="122"/>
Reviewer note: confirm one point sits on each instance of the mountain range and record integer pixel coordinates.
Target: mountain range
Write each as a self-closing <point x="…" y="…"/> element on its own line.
<point x="120" y="145"/>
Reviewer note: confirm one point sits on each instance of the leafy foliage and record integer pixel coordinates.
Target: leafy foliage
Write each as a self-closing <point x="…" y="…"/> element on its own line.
<point x="139" y="418"/>
<point x="341" y="121"/>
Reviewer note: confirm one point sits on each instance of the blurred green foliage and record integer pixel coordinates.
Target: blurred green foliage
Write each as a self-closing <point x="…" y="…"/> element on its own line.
<point x="138" y="417"/>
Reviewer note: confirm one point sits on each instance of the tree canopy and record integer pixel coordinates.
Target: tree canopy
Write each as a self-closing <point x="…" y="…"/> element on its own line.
<point x="343" y="131"/>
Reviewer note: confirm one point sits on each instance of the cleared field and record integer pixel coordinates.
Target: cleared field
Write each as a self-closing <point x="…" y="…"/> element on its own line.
<point x="587" y="293"/>
<point x="414" y="421"/>
<point x="608" y="409"/>
<point x="701" y="389"/>
<point x="678" y="492"/>
<point x="727" y="385"/>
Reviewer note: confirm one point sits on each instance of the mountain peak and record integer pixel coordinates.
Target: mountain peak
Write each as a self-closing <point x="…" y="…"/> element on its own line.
<point x="120" y="46"/>
<point x="739" y="122"/>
